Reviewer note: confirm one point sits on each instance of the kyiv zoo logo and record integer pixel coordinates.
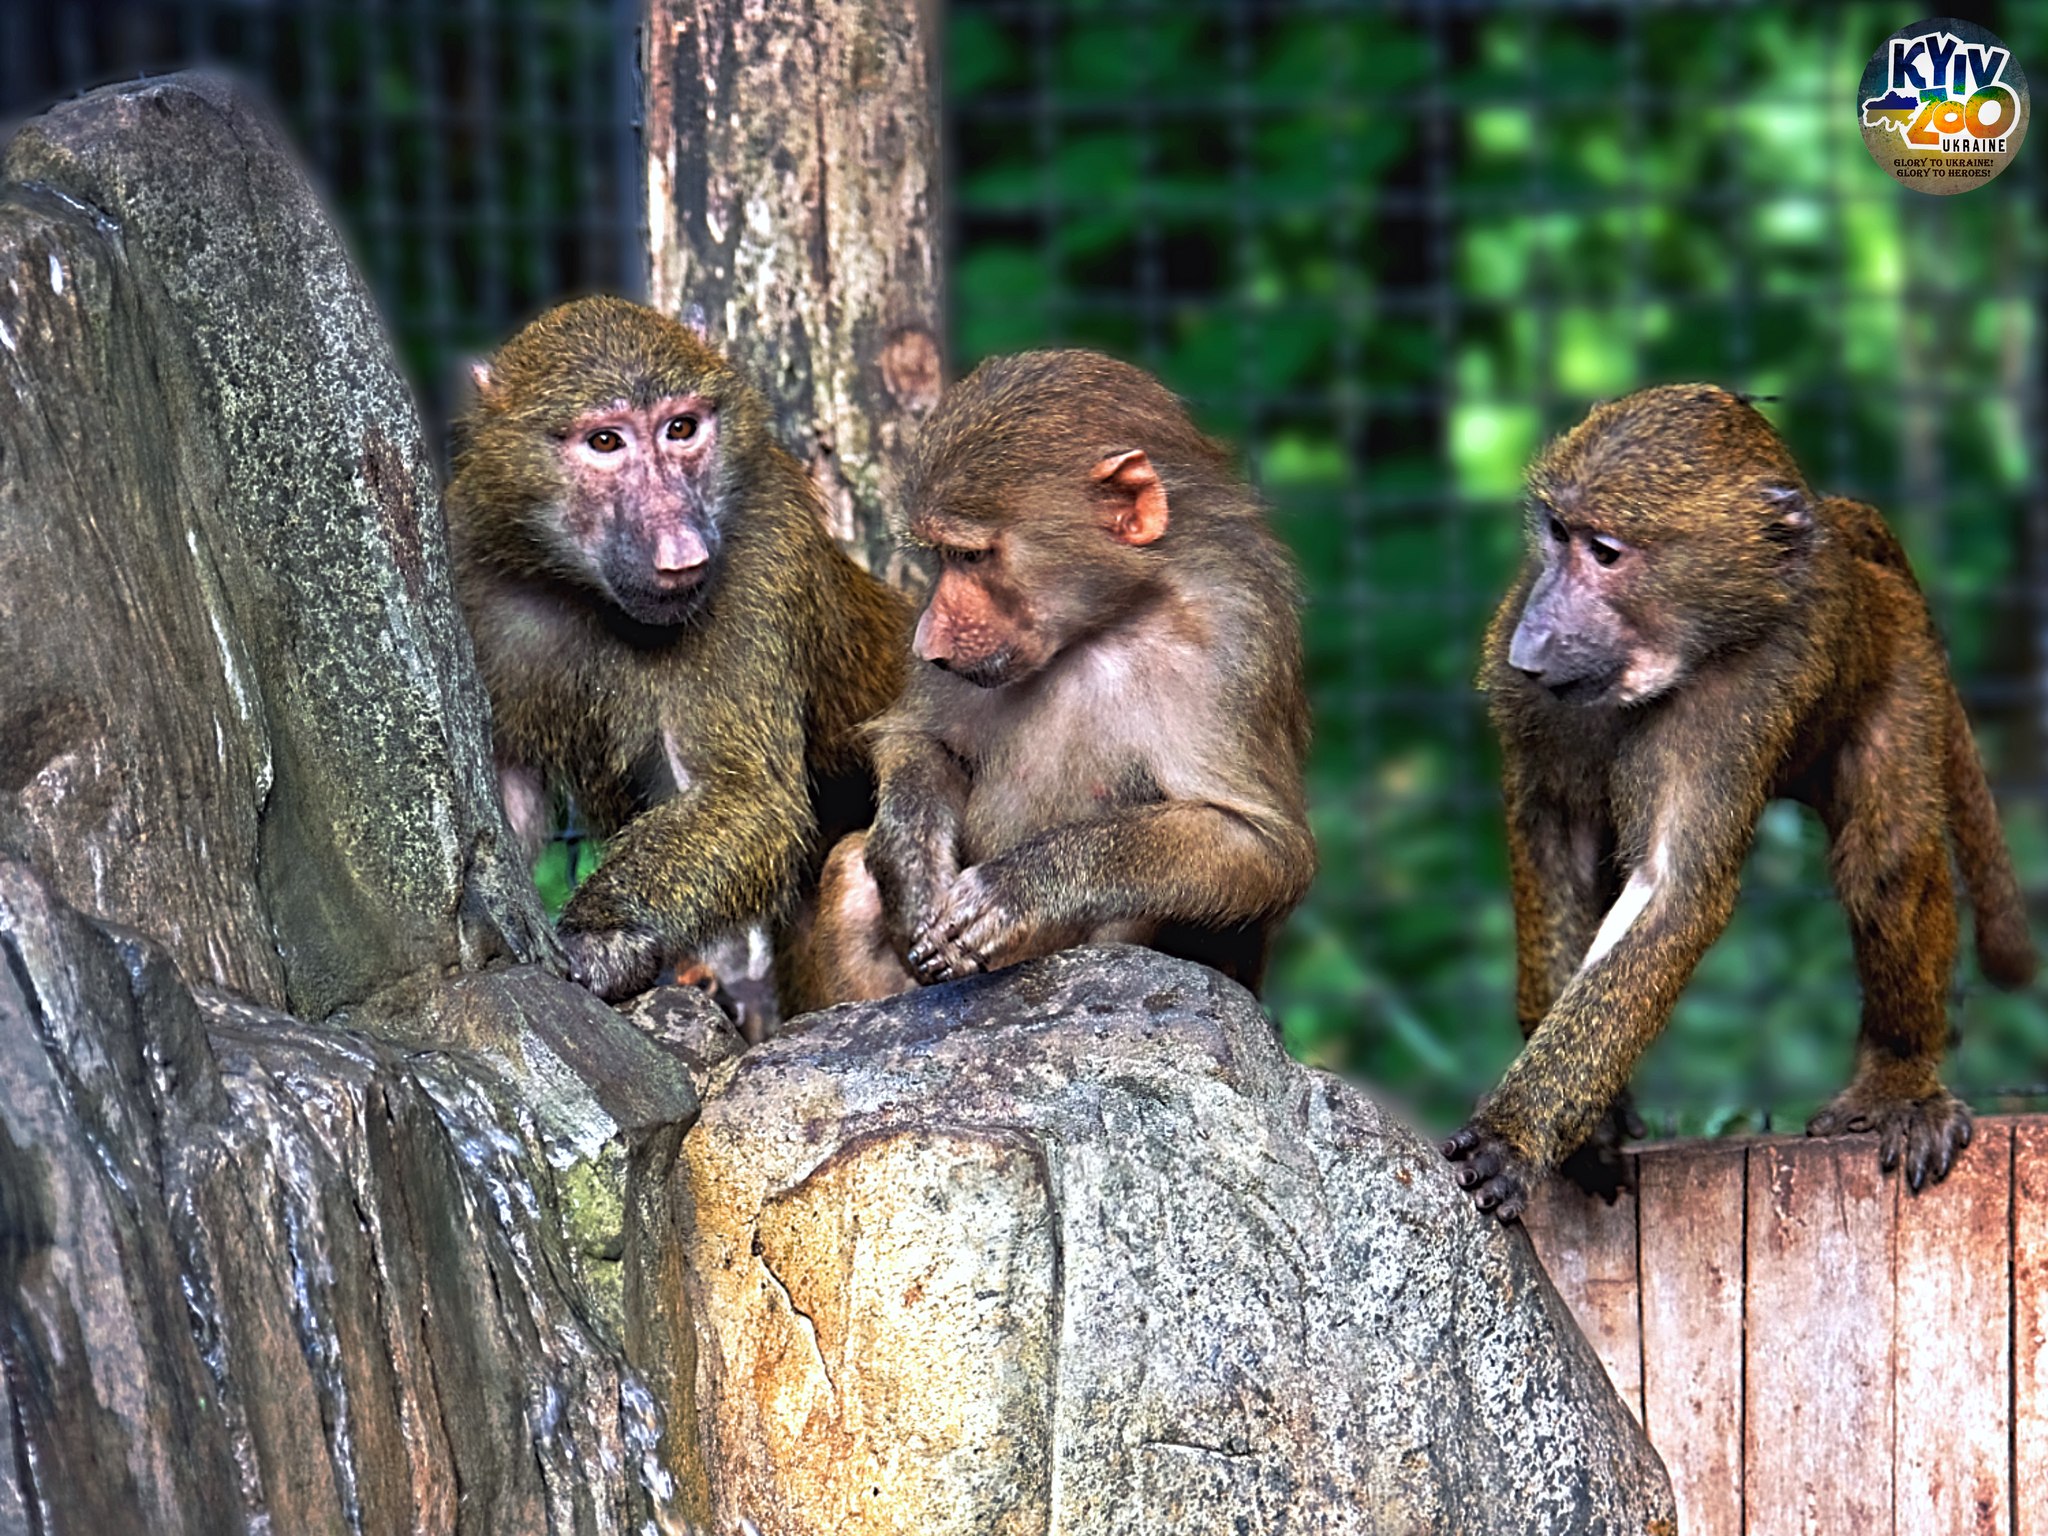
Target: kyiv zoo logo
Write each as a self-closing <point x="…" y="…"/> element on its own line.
<point x="1943" y="106"/>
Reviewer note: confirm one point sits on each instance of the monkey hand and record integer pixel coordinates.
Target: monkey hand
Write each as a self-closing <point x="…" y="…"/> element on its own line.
<point x="913" y="894"/>
<point x="1490" y="1170"/>
<point x="1598" y="1166"/>
<point x="1926" y="1134"/>
<point x="614" y="962"/>
<point x="979" y="926"/>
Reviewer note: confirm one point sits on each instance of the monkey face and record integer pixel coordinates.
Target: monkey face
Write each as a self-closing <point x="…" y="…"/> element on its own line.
<point x="1666" y="528"/>
<point x="1058" y="562"/>
<point x="640" y="505"/>
<point x="978" y="624"/>
<point x="1577" y="637"/>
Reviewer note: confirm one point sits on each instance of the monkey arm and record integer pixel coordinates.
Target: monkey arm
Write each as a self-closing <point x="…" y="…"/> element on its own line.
<point x="913" y="848"/>
<point x="1555" y="873"/>
<point x="1580" y="1057"/>
<point x="1207" y="863"/>
<point x="725" y="852"/>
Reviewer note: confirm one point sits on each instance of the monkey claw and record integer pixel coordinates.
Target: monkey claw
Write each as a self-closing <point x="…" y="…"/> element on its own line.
<point x="1925" y="1135"/>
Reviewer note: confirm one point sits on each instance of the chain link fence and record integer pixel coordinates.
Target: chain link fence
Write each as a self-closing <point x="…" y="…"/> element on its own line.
<point x="481" y="153"/>
<point x="1388" y="249"/>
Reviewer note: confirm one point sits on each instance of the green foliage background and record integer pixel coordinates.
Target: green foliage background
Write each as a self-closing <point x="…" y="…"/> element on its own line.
<point x="1387" y="249"/>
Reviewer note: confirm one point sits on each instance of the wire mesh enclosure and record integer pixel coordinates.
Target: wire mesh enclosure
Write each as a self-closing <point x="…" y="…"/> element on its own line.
<point x="1388" y="249"/>
<point x="480" y="152"/>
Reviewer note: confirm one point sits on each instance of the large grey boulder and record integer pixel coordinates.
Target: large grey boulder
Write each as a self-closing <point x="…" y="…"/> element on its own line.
<point x="1077" y="1248"/>
<point x="263" y="1275"/>
<point x="327" y="1206"/>
<point x="229" y="666"/>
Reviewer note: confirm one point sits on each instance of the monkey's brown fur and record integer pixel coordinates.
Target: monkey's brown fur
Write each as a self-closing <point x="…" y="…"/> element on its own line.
<point x="699" y="749"/>
<point x="1103" y="738"/>
<point x="1753" y="641"/>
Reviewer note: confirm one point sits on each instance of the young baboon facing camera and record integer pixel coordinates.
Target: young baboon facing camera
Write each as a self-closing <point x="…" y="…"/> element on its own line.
<point x="1103" y="736"/>
<point x="666" y="631"/>
<point x="1695" y="633"/>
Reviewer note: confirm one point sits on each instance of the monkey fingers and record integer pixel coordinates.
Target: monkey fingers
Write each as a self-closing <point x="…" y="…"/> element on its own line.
<point x="972" y="930"/>
<point x="1490" y="1171"/>
<point x="614" y="962"/>
<point x="934" y="957"/>
<point x="1926" y="1135"/>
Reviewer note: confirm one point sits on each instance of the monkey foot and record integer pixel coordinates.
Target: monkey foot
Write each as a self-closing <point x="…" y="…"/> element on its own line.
<point x="1598" y="1166"/>
<point x="1493" y="1173"/>
<point x="614" y="963"/>
<point x="1925" y="1134"/>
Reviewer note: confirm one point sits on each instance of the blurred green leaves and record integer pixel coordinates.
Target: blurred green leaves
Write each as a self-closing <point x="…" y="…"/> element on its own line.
<point x="1388" y="250"/>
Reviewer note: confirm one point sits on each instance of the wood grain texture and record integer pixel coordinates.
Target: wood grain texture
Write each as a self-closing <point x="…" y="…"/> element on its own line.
<point x="1952" y="1384"/>
<point x="1820" y="1350"/>
<point x="2030" y="1326"/>
<point x="1692" y="1264"/>
<point x="793" y="195"/>
<point x="1817" y="1436"/>
<point x="1589" y="1249"/>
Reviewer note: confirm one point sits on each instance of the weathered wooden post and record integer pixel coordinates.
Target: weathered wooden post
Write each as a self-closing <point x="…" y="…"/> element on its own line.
<point x="793" y="195"/>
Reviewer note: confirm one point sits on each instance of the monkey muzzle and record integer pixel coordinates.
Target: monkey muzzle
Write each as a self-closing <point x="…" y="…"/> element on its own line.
<point x="1572" y="667"/>
<point x="660" y="579"/>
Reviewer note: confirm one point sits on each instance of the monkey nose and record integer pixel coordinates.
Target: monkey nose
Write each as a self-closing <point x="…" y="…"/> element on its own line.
<point x="679" y="553"/>
<point x="1529" y="653"/>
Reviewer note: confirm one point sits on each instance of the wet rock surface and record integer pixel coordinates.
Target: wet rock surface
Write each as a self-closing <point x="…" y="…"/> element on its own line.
<point x="253" y="1269"/>
<point x="325" y="1206"/>
<point x="1078" y="1248"/>
<point x="229" y="667"/>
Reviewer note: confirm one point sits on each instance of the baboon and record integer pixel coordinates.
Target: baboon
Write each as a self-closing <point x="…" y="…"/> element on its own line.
<point x="666" y="632"/>
<point x="1103" y="736"/>
<point x="1694" y="633"/>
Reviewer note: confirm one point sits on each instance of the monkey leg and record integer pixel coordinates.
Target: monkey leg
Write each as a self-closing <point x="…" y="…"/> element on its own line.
<point x="736" y="970"/>
<point x="1598" y="1165"/>
<point x="529" y="815"/>
<point x="844" y="955"/>
<point x="1891" y="871"/>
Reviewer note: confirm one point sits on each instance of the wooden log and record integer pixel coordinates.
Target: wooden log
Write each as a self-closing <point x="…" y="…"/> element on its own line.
<point x="793" y="196"/>
<point x="1819" y="1367"/>
<point x="1953" y="1381"/>
<point x="2030" y="1325"/>
<point x="1589" y="1249"/>
<point x="1692" y="1265"/>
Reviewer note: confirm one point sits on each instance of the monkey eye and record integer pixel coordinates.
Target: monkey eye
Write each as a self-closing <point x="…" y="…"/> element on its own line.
<point x="681" y="429"/>
<point x="605" y="440"/>
<point x="957" y="556"/>
<point x="1557" y="530"/>
<point x="1606" y="551"/>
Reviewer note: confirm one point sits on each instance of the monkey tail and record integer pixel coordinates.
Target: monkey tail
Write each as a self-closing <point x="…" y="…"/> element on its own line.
<point x="2004" y="949"/>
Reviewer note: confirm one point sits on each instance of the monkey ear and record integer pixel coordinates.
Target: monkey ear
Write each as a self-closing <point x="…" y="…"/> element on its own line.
<point x="1793" y="509"/>
<point x="1142" y="518"/>
<point x="480" y="376"/>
